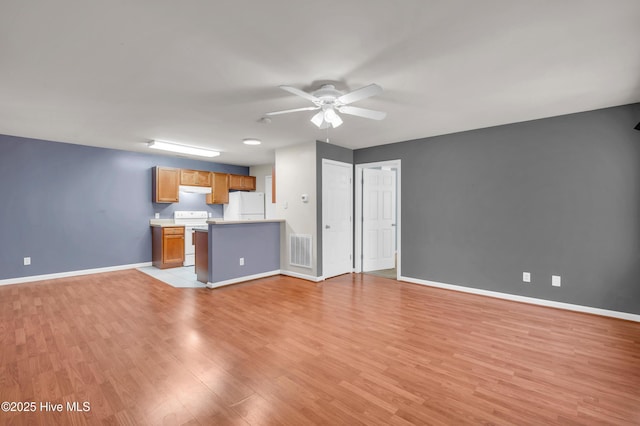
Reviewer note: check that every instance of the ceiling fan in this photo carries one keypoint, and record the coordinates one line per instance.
(328, 100)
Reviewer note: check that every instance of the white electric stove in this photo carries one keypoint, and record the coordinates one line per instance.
(191, 220)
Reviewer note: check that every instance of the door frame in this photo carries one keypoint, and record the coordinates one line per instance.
(268, 197)
(396, 164)
(324, 245)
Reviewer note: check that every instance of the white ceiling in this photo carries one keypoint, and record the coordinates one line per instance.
(119, 73)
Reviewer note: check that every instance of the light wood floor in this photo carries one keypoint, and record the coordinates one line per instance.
(352, 350)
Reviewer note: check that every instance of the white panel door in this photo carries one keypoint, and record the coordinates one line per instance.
(337, 230)
(378, 219)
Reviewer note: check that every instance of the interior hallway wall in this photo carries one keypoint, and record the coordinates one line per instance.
(295, 176)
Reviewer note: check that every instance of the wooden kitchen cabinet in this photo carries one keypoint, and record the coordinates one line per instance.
(242, 183)
(195, 177)
(167, 246)
(219, 189)
(166, 181)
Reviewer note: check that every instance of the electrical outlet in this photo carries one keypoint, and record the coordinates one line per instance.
(242, 261)
(556, 280)
(526, 277)
(157, 216)
(27, 261)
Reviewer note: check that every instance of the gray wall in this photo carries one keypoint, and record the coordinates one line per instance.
(257, 243)
(72, 207)
(554, 196)
(330, 152)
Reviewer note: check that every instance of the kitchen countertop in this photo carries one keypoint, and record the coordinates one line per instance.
(162, 223)
(241, 222)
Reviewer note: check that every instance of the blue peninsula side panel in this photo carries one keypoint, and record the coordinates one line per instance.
(257, 242)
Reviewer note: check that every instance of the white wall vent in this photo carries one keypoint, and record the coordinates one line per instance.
(300, 250)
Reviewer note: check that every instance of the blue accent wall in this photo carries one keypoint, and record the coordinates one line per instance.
(258, 243)
(72, 207)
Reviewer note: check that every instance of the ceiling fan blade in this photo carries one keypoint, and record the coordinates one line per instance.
(300, 93)
(362, 112)
(286, 111)
(358, 94)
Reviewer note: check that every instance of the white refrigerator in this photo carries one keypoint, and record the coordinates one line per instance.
(244, 206)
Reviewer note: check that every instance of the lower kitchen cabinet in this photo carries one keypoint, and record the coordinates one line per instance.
(167, 246)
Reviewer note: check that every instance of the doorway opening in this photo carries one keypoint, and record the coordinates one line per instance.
(377, 234)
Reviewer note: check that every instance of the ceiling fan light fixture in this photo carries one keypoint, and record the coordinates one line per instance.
(182, 149)
(318, 119)
(333, 118)
(332, 101)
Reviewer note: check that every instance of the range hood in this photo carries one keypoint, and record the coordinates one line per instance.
(195, 189)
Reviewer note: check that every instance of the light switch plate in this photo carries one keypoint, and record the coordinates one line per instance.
(556, 280)
(526, 277)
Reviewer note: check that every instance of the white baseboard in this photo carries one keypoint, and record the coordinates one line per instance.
(302, 276)
(33, 278)
(243, 279)
(525, 299)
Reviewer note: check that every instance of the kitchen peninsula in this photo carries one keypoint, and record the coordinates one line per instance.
(242, 250)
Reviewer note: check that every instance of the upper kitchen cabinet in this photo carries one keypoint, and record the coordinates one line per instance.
(219, 189)
(166, 181)
(242, 183)
(195, 177)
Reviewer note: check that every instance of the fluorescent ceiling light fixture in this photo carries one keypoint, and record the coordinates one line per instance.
(182, 149)
(251, 141)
